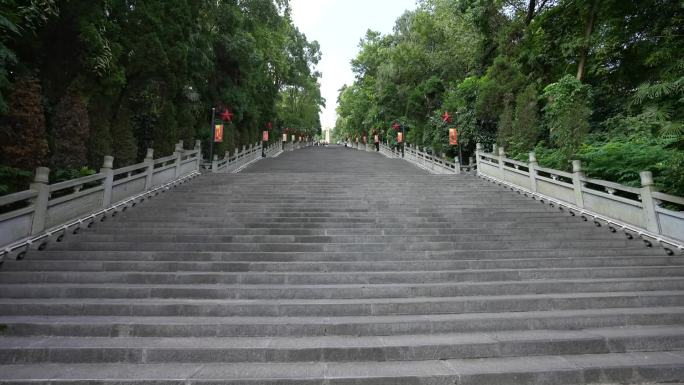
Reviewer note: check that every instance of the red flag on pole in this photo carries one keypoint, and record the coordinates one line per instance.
(264, 136)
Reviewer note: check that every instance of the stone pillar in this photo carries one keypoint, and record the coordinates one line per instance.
(40, 203)
(214, 164)
(502, 155)
(577, 176)
(533, 171)
(648, 203)
(478, 150)
(108, 182)
(149, 161)
(457, 169)
(178, 152)
(198, 148)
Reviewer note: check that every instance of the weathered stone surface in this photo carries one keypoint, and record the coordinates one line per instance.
(331, 266)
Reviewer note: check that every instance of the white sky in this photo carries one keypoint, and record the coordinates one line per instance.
(338, 25)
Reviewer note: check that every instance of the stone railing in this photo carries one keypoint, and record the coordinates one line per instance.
(241, 159)
(36, 214)
(296, 145)
(639, 210)
(431, 163)
(389, 152)
(361, 146)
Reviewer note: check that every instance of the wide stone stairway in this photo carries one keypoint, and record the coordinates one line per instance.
(336, 266)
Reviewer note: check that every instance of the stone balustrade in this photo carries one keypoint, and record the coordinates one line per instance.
(46, 208)
(249, 154)
(642, 207)
(431, 163)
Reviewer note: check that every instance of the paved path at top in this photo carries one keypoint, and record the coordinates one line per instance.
(334, 266)
(333, 160)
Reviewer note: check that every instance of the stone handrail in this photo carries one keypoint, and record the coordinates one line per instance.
(389, 152)
(48, 208)
(430, 163)
(296, 145)
(274, 149)
(638, 209)
(240, 159)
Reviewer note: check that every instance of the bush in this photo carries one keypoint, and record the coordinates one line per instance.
(566, 114)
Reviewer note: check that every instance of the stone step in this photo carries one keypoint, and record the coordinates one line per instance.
(239, 291)
(188, 223)
(333, 247)
(624, 368)
(337, 307)
(349, 266)
(138, 326)
(579, 230)
(334, 278)
(243, 211)
(225, 238)
(337, 256)
(378, 218)
(146, 350)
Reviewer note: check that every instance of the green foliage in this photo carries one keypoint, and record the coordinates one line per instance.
(567, 112)
(23, 139)
(526, 125)
(608, 72)
(13, 179)
(147, 74)
(71, 130)
(71, 173)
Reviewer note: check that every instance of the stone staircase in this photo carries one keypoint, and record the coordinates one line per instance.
(332, 266)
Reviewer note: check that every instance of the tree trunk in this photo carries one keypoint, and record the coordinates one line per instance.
(584, 51)
(530, 11)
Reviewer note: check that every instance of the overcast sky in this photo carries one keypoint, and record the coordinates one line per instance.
(338, 25)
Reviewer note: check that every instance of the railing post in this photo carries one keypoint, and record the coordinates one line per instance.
(648, 203)
(108, 182)
(478, 150)
(533, 171)
(40, 203)
(198, 148)
(577, 176)
(149, 161)
(214, 164)
(457, 164)
(178, 152)
(502, 155)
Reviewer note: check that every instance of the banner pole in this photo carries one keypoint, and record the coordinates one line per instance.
(213, 134)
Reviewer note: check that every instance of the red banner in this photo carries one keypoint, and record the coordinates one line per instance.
(377, 139)
(264, 136)
(400, 137)
(453, 136)
(364, 139)
(218, 133)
